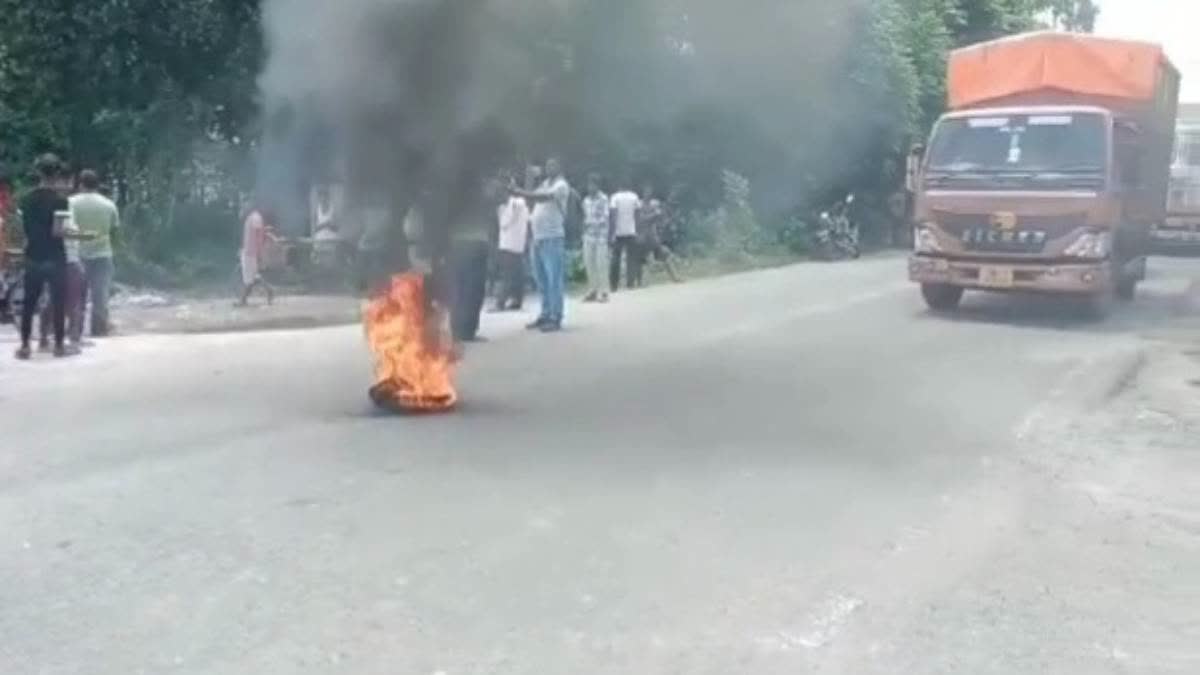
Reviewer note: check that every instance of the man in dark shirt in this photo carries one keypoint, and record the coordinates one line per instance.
(45, 254)
(471, 243)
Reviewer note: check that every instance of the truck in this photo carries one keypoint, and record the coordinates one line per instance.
(1048, 171)
(1180, 234)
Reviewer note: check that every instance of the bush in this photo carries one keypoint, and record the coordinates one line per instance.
(735, 228)
(793, 235)
(194, 244)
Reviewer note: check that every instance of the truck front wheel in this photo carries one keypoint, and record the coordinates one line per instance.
(942, 297)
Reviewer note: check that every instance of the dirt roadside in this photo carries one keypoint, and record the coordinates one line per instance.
(157, 313)
(1098, 570)
(140, 311)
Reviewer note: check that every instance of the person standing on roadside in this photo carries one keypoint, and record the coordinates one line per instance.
(513, 219)
(5, 211)
(652, 221)
(45, 254)
(597, 233)
(255, 235)
(469, 250)
(5, 207)
(533, 178)
(98, 219)
(551, 200)
(625, 205)
(74, 275)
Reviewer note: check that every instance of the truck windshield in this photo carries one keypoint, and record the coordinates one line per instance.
(1054, 150)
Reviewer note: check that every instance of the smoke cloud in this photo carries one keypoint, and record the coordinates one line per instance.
(401, 97)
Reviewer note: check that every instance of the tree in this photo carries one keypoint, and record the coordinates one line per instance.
(118, 64)
(140, 90)
(1075, 15)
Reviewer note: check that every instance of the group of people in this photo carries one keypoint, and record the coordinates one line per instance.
(531, 225)
(625, 226)
(68, 230)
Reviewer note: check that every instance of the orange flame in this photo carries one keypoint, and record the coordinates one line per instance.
(414, 354)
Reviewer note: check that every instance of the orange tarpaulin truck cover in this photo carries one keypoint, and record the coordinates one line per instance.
(1068, 62)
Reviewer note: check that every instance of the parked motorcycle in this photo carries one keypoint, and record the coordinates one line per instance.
(836, 235)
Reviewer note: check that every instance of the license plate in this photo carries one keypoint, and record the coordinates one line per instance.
(996, 277)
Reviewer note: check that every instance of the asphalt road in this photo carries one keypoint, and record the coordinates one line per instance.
(796, 470)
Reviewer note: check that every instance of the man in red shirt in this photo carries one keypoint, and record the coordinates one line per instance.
(5, 215)
(256, 232)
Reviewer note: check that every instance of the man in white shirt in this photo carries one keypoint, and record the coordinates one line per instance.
(551, 201)
(624, 206)
(597, 233)
(513, 219)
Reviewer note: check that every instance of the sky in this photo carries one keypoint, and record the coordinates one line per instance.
(1173, 23)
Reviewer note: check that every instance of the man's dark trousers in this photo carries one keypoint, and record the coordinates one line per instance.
(469, 260)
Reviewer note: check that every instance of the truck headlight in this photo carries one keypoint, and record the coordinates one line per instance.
(925, 241)
(1090, 245)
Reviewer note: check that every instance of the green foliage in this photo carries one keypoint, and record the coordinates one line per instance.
(140, 90)
(733, 222)
(1074, 15)
(928, 37)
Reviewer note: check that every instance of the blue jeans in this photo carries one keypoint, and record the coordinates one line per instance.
(98, 288)
(549, 257)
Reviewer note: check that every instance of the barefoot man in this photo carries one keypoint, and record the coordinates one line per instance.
(255, 234)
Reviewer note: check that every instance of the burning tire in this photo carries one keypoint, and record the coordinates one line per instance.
(400, 401)
(414, 353)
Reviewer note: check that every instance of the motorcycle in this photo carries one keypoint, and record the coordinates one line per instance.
(836, 236)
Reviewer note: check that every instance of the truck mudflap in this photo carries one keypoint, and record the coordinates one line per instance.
(1074, 278)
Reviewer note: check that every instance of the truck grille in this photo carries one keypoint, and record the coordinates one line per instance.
(988, 240)
(1029, 235)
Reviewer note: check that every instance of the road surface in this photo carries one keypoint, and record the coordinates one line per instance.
(796, 470)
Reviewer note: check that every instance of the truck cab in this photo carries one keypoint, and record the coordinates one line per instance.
(1029, 199)
(1048, 172)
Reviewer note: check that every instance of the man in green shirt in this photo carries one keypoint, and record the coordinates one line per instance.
(98, 219)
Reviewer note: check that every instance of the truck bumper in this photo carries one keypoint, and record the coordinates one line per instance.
(1074, 278)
